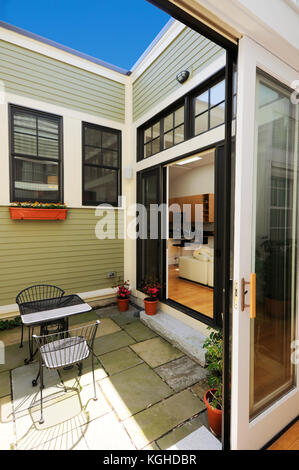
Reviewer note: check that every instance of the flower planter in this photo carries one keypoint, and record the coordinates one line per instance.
(123, 304)
(214, 415)
(150, 306)
(29, 213)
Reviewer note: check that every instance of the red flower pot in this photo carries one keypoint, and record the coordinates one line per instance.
(214, 415)
(123, 304)
(150, 306)
(29, 213)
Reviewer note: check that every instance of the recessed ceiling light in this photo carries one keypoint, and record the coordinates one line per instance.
(189, 160)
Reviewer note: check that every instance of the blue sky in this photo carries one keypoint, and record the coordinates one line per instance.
(115, 31)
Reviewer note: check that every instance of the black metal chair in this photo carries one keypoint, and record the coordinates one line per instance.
(38, 297)
(60, 350)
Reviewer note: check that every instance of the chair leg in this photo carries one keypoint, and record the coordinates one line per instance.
(22, 336)
(41, 421)
(61, 379)
(93, 376)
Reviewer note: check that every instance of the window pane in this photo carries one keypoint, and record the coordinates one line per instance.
(147, 150)
(25, 123)
(36, 180)
(92, 136)
(156, 130)
(48, 148)
(168, 140)
(110, 141)
(168, 122)
(179, 116)
(156, 145)
(217, 116)
(201, 123)
(147, 135)
(48, 128)
(100, 185)
(110, 158)
(275, 245)
(217, 93)
(25, 144)
(202, 103)
(92, 155)
(179, 135)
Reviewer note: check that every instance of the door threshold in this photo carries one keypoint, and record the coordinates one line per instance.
(190, 312)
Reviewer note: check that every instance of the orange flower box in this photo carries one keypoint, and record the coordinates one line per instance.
(29, 213)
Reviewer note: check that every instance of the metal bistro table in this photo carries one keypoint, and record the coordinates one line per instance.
(34, 315)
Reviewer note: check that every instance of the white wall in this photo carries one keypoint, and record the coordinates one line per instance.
(192, 182)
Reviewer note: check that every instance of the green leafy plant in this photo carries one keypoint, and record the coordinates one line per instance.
(214, 348)
(9, 324)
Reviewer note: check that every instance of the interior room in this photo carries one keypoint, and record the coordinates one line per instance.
(190, 258)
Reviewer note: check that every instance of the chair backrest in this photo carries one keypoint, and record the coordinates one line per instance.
(44, 295)
(67, 346)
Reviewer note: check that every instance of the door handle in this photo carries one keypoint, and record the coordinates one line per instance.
(252, 304)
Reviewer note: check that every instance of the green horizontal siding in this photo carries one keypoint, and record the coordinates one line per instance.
(64, 253)
(189, 50)
(31, 74)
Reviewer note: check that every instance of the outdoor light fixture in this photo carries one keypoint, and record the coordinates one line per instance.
(189, 160)
(183, 76)
(128, 173)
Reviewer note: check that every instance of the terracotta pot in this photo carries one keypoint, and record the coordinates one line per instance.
(123, 304)
(150, 306)
(29, 213)
(214, 415)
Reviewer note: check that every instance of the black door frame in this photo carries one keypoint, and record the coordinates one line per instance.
(216, 321)
(231, 58)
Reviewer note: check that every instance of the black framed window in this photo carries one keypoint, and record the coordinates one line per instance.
(101, 165)
(209, 108)
(200, 110)
(174, 128)
(36, 155)
(163, 132)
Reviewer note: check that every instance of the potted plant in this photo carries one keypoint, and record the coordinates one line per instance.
(152, 290)
(37, 211)
(123, 296)
(213, 396)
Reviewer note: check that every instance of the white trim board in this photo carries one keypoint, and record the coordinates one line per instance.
(9, 311)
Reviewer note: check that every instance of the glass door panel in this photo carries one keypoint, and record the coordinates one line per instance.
(274, 249)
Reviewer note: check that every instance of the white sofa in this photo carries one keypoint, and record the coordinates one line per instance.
(199, 267)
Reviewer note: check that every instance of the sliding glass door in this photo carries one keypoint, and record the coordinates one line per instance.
(265, 378)
(274, 250)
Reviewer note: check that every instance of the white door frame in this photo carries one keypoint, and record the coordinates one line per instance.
(254, 434)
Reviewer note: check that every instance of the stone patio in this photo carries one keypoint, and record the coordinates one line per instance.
(150, 394)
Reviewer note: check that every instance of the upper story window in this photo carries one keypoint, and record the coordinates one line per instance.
(101, 165)
(164, 132)
(209, 108)
(197, 112)
(36, 156)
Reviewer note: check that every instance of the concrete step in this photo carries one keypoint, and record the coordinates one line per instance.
(183, 336)
(201, 439)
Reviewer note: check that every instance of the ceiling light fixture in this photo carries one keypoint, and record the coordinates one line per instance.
(189, 160)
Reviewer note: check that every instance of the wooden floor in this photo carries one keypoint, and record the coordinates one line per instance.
(289, 440)
(189, 293)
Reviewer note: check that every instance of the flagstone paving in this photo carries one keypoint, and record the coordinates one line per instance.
(150, 394)
(134, 390)
(181, 373)
(157, 420)
(182, 431)
(156, 351)
(139, 331)
(112, 342)
(117, 361)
